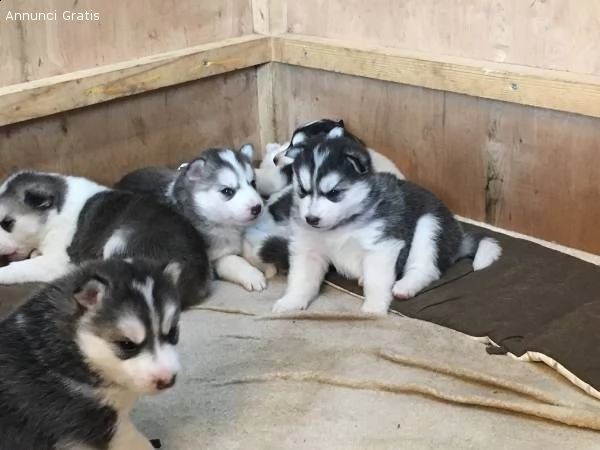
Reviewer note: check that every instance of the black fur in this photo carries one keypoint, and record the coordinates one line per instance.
(46, 387)
(154, 231)
(275, 250)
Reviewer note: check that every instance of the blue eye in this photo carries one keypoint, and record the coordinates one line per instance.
(302, 192)
(228, 192)
(333, 195)
(128, 348)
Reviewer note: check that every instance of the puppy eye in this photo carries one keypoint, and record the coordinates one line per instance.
(128, 347)
(253, 184)
(333, 194)
(302, 192)
(7, 224)
(173, 336)
(228, 192)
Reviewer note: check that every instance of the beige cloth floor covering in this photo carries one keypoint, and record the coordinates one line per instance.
(231, 395)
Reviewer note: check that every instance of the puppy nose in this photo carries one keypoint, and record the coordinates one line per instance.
(255, 210)
(312, 220)
(162, 383)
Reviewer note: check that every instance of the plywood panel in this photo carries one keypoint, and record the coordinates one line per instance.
(525, 169)
(159, 128)
(33, 49)
(553, 34)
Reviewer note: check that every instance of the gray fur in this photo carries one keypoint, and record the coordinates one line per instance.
(49, 395)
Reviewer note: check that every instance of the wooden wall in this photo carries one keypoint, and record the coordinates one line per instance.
(552, 34)
(525, 169)
(163, 127)
(126, 30)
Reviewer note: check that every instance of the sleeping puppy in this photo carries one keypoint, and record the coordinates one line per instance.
(68, 220)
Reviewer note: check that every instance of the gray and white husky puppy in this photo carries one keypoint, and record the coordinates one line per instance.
(78, 354)
(66, 220)
(392, 235)
(275, 171)
(216, 192)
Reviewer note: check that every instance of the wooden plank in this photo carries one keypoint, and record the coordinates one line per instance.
(524, 169)
(162, 127)
(562, 91)
(124, 30)
(61, 93)
(548, 34)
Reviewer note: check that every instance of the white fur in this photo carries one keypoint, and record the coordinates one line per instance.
(168, 317)
(420, 269)
(329, 181)
(132, 328)
(356, 251)
(488, 251)
(128, 437)
(116, 244)
(146, 289)
(51, 238)
(213, 205)
(237, 270)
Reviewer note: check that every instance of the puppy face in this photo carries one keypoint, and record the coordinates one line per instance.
(27, 201)
(130, 326)
(330, 181)
(224, 187)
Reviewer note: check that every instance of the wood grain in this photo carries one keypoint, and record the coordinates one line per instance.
(556, 90)
(163, 127)
(525, 169)
(126, 30)
(52, 95)
(549, 34)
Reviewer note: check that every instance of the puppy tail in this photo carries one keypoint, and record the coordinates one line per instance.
(484, 250)
(275, 250)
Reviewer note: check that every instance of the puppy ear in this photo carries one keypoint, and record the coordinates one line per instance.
(340, 123)
(38, 199)
(91, 294)
(336, 132)
(248, 151)
(173, 271)
(359, 158)
(195, 169)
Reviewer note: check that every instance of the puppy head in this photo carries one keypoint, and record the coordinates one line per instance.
(129, 323)
(223, 185)
(27, 201)
(330, 181)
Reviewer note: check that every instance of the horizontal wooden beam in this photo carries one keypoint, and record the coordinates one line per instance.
(557, 90)
(83, 88)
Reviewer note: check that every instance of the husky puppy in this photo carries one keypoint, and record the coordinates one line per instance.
(392, 235)
(67, 220)
(275, 171)
(77, 355)
(216, 192)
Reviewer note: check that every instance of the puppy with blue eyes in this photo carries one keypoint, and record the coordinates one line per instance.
(391, 235)
(216, 192)
(78, 354)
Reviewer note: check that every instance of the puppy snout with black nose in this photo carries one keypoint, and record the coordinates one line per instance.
(313, 221)
(164, 383)
(255, 210)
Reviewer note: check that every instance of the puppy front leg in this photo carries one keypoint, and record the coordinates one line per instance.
(307, 270)
(44, 268)
(128, 437)
(379, 275)
(237, 270)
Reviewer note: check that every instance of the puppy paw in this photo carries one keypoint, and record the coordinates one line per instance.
(374, 309)
(253, 279)
(288, 303)
(270, 271)
(404, 290)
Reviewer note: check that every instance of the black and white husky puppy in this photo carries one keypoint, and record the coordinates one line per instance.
(78, 354)
(392, 235)
(67, 220)
(216, 192)
(275, 171)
